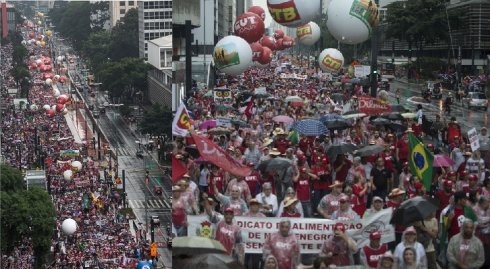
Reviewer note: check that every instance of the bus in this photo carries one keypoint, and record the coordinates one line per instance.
(36, 178)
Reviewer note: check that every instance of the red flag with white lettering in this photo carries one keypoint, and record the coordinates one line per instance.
(371, 105)
(212, 153)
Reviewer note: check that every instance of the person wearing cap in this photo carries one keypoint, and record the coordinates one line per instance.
(457, 213)
(371, 254)
(253, 180)
(284, 246)
(340, 247)
(330, 202)
(254, 209)
(180, 208)
(290, 208)
(387, 261)
(475, 165)
(409, 239)
(229, 235)
(376, 206)
(303, 190)
(233, 201)
(345, 211)
(268, 200)
(465, 250)
(239, 182)
(381, 178)
(444, 195)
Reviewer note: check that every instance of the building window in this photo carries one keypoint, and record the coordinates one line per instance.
(122, 11)
(130, 3)
(122, 3)
(145, 5)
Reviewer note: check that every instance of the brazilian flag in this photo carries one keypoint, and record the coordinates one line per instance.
(293, 137)
(420, 160)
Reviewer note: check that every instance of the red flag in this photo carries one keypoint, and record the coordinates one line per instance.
(371, 105)
(210, 152)
(249, 109)
(178, 169)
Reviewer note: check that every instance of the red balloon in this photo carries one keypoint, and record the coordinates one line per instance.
(287, 42)
(278, 34)
(47, 61)
(257, 10)
(61, 99)
(33, 65)
(50, 113)
(249, 26)
(279, 44)
(39, 37)
(59, 107)
(266, 56)
(257, 51)
(268, 41)
(31, 35)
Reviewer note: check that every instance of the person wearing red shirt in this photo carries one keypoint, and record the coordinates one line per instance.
(281, 143)
(321, 180)
(253, 180)
(387, 155)
(290, 208)
(402, 149)
(341, 166)
(371, 254)
(396, 198)
(360, 189)
(216, 175)
(303, 191)
(456, 215)
(444, 196)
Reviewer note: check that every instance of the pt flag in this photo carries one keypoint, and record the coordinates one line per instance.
(182, 122)
(420, 160)
(212, 153)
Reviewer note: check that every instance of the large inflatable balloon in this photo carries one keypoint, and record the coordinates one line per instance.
(279, 45)
(257, 10)
(62, 99)
(249, 26)
(232, 55)
(77, 165)
(351, 21)
(331, 60)
(293, 13)
(59, 107)
(266, 56)
(68, 174)
(308, 34)
(69, 226)
(268, 41)
(46, 107)
(257, 51)
(50, 113)
(287, 42)
(48, 81)
(278, 33)
(34, 107)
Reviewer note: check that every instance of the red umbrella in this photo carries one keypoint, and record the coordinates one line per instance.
(283, 118)
(441, 160)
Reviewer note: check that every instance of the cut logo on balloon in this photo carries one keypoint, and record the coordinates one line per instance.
(284, 12)
(303, 31)
(332, 63)
(226, 55)
(366, 11)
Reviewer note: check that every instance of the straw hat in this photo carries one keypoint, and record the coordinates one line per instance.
(254, 201)
(396, 192)
(289, 201)
(267, 142)
(336, 183)
(278, 131)
(275, 152)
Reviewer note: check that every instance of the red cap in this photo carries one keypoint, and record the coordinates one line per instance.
(430, 146)
(229, 210)
(463, 173)
(448, 183)
(375, 235)
(339, 226)
(303, 169)
(451, 174)
(473, 177)
(405, 164)
(418, 186)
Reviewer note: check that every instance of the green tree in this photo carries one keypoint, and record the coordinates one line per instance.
(20, 73)
(125, 36)
(100, 12)
(19, 54)
(11, 180)
(156, 121)
(97, 48)
(75, 23)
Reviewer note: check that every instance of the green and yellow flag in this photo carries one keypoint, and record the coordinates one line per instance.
(420, 160)
(293, 137)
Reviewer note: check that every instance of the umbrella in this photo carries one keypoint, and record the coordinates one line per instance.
(208, 261)
(393, 116)
(414, 209)
(369, 150)
(408, 115)
(240, 123)
(337, 124)
(296, 103)
(207, 124)
(276, 164)
(351, 112)
(397, 128)
(219, 131)
(380, 121)
(223, 108)
(195, 245)
(330, 117)
(293, 98)
(398, 108)
(337, 97)
(441, 160)
(335, 150)
(309, 127)
(283, 118)
(354, 116)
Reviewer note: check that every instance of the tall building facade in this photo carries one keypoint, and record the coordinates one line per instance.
(154, 21)
(160, 75)
(7, 18)
(117, 10)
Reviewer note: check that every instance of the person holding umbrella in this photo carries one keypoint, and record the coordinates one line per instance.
(409, 240)
(371, 254)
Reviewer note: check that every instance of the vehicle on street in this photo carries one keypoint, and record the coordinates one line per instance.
(139, 153)
(434, 89)
(476, 100)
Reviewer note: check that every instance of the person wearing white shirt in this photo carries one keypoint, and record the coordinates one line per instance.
(268, 200)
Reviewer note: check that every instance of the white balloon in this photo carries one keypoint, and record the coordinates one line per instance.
(68, 174)
(65, 111)
(38, 61)
(69, 226)
(56, 93)
(29, 42)
(48, 81)
(56, 77)
(232, 55)
(77, 165)
(23, 42)
(46, 107)
(351, 21)
(293, 13)
(34, 107)
(53, 107)
(308, 34)
(331, 60)
(38, 43)
(59, 58)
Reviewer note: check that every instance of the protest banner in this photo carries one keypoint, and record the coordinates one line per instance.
(223, 122)
(310, 232)
(371, 105)
(473, 138)
(293, 76)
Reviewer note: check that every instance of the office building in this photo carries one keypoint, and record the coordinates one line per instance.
(117, 10)
(160, 75)
(154, 21)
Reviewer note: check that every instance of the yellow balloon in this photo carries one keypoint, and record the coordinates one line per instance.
(43, 43)
(49, 33)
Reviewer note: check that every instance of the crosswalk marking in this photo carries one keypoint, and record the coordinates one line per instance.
(151, 204)
(126, 151)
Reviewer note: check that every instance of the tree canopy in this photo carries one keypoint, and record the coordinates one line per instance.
(125, 36)
(156, 121)
(73, 22)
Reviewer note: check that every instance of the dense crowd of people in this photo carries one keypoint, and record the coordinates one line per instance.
(338, 186)
(33, 140)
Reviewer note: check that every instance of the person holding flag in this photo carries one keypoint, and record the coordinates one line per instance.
(420, 160)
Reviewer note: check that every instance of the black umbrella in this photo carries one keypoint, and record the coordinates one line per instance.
(335, 150)
(398, 108)
(370, 150)
(240, 123)
(397, 128)
(393, 116)
(276, 164)
(337, 124)
(414, 209)
(337, 97)
(380, 121)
